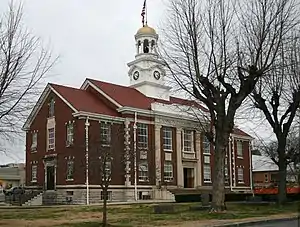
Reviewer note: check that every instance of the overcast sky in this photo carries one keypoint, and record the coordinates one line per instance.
(93, 38)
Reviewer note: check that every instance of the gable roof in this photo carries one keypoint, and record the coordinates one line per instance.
(240, 132)
(83, 100)
(130, 97)
(76, 99)
(262, 163)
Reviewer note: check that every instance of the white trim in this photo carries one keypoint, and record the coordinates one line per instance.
(97, 116)
(110, 186)
(62, 98)
(151, 113)
(41, 102)
(240, 137)
(89, 83)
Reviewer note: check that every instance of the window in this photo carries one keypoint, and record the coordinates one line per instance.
(106, 173)
(34, 141)
(51, 108)
(142, 135)
(206, 173)
(168, 171)
(146, 46)
(207, 159)
(239, 148)
(240, 175)
(206, 145)
(167, 139)
(70, 134)
(70, 169)
(143, 154)
(266, 178)
(33, 173)
(108, 195)
(51, 138)
(188, 141)
(143, 171)
(105, 133)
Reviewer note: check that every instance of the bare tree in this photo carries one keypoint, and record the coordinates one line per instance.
(277, 95)
(216, 51)
(23, 65)
(292, 154)
(105, 155)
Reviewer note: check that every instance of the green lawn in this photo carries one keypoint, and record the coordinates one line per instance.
(132, 215)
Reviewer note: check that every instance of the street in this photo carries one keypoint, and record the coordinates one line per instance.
(294, 223)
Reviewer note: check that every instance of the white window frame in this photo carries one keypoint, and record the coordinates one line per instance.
(34, 173)
(34, 141)
(188, 143)
(206, 159)
(167, 139)
(206, 145)
(143, 171)
(168, 171)
(70, 170)
(239, 149)
(240, 172)
(206, 173)
(142, 136)
(70, 134)
(105, 133)
(51, 138)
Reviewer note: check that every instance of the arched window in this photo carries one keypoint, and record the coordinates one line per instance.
(146, 46)
(139, 46)
(152, 46)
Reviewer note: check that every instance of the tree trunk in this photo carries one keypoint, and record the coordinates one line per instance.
(282, 172)
(218, 194)
(104, 218)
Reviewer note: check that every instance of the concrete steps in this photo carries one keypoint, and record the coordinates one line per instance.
(35, 201)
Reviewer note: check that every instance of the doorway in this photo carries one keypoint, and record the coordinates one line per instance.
(50, 183)
(188, 177)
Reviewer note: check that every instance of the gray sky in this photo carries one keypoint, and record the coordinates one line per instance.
(94, 38)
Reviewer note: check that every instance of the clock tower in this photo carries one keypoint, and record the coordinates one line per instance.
(147, 72)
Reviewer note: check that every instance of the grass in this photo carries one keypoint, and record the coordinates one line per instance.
(137, 215)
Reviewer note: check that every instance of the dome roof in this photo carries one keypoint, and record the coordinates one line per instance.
(146, 30)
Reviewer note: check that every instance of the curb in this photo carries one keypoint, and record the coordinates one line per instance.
(251, 223)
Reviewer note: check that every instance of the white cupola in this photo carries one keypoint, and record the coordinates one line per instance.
(147, 71)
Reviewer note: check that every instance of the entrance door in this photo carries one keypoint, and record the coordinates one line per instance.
(50, 178)
(188, 177)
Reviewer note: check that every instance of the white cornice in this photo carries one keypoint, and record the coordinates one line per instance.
(97, 116)
(149, 57)
(241, 137)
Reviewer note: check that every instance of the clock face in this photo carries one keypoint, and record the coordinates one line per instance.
(136, 75)
(156, 75)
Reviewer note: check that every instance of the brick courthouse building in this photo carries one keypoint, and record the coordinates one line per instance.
(171, 154)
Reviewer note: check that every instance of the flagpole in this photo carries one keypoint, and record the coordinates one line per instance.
(146, 12)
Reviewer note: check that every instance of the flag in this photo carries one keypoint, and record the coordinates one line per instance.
(143, 13)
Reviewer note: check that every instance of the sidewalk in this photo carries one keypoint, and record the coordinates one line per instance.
(238, 222)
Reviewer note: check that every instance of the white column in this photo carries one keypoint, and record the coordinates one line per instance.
(198, 174)
(157, 154)
(179, 158)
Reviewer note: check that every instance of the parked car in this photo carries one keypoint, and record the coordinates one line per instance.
(14, 191)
